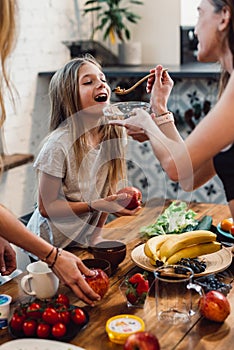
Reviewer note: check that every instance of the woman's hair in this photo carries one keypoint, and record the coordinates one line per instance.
(65, 103)
(218, 6)
(7, 40)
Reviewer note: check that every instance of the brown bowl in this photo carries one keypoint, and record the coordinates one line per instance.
(98, 264)
(112, 251)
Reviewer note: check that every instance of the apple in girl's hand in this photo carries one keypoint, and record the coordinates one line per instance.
(214, 306)
(134, 197)
(99, 282)
(142, 341)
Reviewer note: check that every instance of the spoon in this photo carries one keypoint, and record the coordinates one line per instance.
(119, 91)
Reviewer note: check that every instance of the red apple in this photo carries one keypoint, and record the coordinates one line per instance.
(214, 306)
(142, 341)
(99, 282)
(232, 230)
(134, 197)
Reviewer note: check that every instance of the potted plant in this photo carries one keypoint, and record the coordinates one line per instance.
(113, 17)
(81, 46)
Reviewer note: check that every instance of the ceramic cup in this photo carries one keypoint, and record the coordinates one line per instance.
(173, 294)
(40, 281)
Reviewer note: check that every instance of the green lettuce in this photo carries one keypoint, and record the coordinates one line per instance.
(175, 219)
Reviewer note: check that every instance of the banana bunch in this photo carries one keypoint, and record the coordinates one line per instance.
(170, 248)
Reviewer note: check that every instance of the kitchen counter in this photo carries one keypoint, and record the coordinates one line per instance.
(187, 70)
(198, 334)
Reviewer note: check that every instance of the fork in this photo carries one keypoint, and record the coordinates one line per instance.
(119, 91)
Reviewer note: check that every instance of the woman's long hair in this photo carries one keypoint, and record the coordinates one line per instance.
(218, 6)
(7, 40)
(65, 104)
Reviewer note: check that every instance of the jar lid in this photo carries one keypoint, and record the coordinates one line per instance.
(5, 299)
(120, 327)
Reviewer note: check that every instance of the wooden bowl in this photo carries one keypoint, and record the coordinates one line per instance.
(98, 264)
(112, 251)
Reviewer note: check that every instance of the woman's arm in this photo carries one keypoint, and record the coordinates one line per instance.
(68, 267)
(190, 162)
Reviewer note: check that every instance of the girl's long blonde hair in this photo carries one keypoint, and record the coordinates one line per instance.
(65, 103)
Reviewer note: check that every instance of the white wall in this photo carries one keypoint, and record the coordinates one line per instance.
(189, 12)
(159, 31)
(43, 25)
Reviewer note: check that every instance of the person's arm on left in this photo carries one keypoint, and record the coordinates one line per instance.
(68, 267)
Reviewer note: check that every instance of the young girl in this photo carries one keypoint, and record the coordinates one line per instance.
(82, 161)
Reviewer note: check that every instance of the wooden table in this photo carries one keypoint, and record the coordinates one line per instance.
(199, 334)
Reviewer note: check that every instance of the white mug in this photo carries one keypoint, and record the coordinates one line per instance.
(40, 282)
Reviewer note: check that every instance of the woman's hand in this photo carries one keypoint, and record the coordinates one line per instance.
(139, 124)
(136, 133)
(160, 87)
(71, 270)
(7, 258)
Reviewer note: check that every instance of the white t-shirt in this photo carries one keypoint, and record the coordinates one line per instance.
(57, 158)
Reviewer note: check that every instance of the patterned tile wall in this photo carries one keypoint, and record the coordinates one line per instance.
(190, 100)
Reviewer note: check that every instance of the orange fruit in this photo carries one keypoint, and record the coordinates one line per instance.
(226, 225)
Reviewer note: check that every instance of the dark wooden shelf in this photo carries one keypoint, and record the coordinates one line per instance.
(186, 70)
(11, 161)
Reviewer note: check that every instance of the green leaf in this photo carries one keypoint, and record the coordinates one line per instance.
(175, 219)
(111, 11)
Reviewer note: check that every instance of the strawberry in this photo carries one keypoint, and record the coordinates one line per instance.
(142, 287)
(132, 298)
(138, 277)
(137, 288)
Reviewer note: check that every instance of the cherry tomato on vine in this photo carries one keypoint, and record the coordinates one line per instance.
(59, 330)
(43, 330)
(17, 321)
(50, 315)
(34, 310)
(63, 299)
(30, 327)
(78, 316)
(63, 314)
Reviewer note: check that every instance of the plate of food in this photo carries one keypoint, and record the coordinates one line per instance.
(224, 228)
(38, 344)
(215, 262)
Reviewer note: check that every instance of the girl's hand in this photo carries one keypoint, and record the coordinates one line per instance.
(112, 204)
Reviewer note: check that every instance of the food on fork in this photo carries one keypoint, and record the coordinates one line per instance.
(119, 91)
